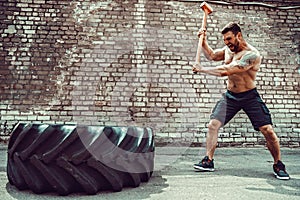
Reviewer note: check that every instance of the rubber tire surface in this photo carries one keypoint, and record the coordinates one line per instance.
(66, 159)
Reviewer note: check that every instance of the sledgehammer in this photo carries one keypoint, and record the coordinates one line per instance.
(207, 10)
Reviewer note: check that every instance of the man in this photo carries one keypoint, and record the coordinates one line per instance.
(241, 64)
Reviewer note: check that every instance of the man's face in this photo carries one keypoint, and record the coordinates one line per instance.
(231, 41)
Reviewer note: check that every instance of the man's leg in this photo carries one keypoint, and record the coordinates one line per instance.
(274, 148)
(222, 113)
(272, 141)
(207, 163)
(212, 137)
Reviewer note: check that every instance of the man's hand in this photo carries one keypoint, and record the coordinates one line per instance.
(197, 68)
(202, 32)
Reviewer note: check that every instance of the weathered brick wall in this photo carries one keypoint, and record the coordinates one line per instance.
(122, 62)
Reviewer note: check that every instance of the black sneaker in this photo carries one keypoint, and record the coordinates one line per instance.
(205, 165)
(279, 171)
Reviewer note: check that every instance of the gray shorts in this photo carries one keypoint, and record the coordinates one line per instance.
(250, 102)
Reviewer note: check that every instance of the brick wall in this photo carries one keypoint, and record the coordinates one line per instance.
(127, 63)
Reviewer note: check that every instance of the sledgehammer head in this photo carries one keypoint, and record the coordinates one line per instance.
(206, 8)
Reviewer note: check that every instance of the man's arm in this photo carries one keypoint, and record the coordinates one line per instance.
(210, 54)
(242, 65)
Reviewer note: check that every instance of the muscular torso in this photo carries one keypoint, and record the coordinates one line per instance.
(242, 81)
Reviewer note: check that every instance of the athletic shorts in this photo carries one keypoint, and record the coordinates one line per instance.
(250, 102)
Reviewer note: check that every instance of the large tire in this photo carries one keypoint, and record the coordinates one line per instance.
(67, 158)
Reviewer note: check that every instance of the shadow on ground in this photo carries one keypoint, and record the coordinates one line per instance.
(247, 169)
(155, 186)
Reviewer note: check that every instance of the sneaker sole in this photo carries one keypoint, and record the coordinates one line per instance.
(201, 169)
(281, 178)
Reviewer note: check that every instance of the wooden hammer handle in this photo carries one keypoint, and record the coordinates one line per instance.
(203, 27)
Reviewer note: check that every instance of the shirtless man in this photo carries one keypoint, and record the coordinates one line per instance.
(242, 62)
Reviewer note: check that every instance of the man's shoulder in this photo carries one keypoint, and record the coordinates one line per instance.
(250, 53)
(252, 49)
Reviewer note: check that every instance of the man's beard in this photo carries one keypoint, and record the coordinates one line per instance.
(235, 47)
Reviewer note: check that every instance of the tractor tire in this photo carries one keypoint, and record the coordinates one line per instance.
(68, 159)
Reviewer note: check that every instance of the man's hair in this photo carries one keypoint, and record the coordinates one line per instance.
(233, 27)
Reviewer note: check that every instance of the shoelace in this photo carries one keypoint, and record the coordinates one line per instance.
(280, 166)
(206, 161)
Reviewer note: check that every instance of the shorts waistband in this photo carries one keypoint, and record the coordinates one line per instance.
(242, 93)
